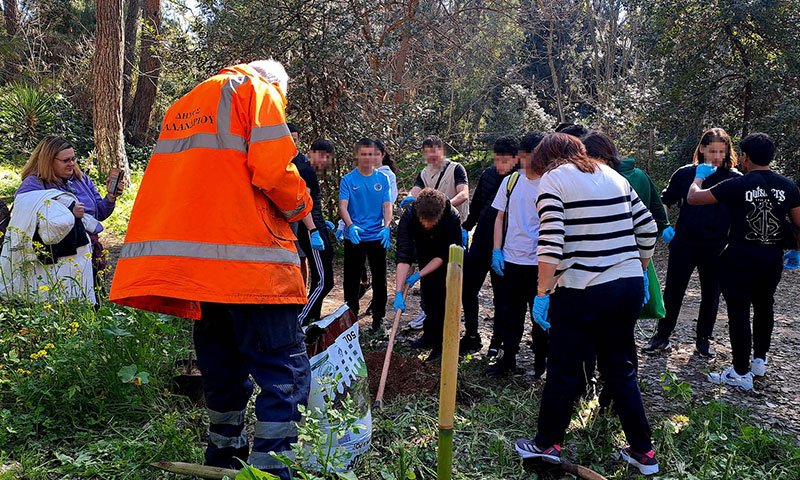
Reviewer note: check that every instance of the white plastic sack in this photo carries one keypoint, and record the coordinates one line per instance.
(334, 351)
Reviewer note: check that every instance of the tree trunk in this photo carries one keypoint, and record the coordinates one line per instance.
(107, 82)
(131, 30)
(553, 73)
(11, 16)
(149, 70)
(13, 64)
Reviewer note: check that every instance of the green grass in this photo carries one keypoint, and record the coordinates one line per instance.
(711, 441)
(9, 180)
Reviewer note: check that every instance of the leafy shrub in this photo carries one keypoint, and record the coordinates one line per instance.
(28, 113)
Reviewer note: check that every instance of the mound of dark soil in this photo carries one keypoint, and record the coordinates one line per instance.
(407, 375)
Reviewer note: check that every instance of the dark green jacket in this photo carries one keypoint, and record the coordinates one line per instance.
(646, 190)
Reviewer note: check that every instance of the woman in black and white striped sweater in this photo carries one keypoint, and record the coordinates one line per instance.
(595, 241)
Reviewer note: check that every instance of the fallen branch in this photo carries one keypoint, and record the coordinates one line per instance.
(580, 471)
(202, 471)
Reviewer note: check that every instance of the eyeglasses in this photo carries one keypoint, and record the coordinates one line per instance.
(66, 161)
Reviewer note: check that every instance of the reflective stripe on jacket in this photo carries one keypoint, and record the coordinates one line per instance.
(210, 221)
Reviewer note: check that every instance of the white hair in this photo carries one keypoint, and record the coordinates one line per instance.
(272, 71)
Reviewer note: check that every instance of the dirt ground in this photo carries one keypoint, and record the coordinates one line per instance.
(772, 403)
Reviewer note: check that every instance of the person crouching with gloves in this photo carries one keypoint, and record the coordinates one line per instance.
(427, 229)
(209, 239)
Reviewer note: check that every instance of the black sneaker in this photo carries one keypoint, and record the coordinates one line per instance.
(657, 345)
(645, 462)
(527, 449)
(434, 356)
(505, 365)
(494, 348)
(703, 348)
(420, 343)
(469, 344)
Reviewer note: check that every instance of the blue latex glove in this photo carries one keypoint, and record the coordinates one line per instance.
(330, 226)
(498, 261)
(407, 201)
(704, 171)
(646, 288)
(791, 260)
(541, 307)
(386, 238)
(413, 279)
(399, 302)
(339, 234)
(316, 241)
(668, 234)
(464, 238)
(353, 234)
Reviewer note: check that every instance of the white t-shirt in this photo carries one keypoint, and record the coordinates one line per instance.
(384, 169)
(522, 235)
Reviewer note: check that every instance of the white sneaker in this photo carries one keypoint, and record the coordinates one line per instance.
(417, 323)
(730, 377)
(759, 367)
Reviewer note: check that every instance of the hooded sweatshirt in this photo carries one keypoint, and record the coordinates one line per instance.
(646, 190)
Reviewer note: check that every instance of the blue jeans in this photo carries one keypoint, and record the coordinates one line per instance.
(239, 344)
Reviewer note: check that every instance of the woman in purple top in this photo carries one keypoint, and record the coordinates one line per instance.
(53, 165)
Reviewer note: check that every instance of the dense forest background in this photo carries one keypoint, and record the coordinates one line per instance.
(651, 73)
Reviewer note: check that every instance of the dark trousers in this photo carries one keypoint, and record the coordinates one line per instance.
(234, 342)
(683, 259)
(517, 289)
(596, 321)
(477, 263)
(750, 276)
(320, 264)
(433, 288)
(354, 256)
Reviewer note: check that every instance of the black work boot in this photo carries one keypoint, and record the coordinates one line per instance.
(469, 343)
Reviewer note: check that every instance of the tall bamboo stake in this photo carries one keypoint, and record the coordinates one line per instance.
(447, 390)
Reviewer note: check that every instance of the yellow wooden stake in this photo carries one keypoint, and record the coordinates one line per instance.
(447, 390)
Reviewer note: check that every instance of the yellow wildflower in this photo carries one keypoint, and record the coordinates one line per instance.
(49, 346)
(23, 372)
(48, 202)
(47, 306)
(38, 355)
(44, 288)
(87, 255)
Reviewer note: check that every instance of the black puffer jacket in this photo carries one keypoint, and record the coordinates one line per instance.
(416, 243)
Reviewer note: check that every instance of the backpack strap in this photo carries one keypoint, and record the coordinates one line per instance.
(439, 180)
(512, 182)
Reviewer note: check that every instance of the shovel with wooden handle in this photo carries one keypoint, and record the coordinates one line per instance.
(388, 358)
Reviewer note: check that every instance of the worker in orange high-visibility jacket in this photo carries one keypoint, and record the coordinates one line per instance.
(209, 239)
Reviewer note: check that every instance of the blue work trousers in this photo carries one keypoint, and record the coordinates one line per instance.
(237, 345)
